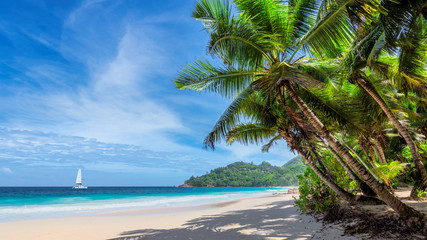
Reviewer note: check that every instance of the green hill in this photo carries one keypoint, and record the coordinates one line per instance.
(240, 174)
(293, 161)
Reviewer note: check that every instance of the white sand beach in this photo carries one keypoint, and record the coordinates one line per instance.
(269, 217)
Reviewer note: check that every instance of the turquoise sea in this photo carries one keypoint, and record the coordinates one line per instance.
(22, 203)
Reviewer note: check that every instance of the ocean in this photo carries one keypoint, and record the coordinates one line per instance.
(24, 203)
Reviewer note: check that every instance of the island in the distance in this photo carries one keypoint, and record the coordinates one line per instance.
(240, 174)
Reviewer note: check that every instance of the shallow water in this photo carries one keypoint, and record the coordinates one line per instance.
(22, 203)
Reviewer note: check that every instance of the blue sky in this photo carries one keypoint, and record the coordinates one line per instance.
(89, 84)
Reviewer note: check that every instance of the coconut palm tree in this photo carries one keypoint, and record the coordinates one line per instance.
(409, 75)
(258, 42)
(286, 124)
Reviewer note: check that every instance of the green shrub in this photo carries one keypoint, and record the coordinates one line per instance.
(314, 195)
(421, 193)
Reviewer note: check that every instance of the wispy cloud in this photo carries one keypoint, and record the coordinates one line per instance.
(41, 149)
(96, 91)
(6, 171)
(116, 103)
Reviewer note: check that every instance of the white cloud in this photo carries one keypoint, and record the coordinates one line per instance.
(241, 151)
(6, 171)
(115, 87)
(115, 105)
(31, 148)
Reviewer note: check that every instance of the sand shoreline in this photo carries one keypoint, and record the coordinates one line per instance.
(267, 217)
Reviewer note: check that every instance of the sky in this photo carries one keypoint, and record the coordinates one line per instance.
(89, 84)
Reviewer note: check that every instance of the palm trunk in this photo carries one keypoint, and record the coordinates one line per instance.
(363, 186)
(403, 209)
(339, 191)
(322, 166)
(380, 150)
(361, 160)
(368, 158)
(290, 139)
(420, 172)
(325, 170)
(377, 154)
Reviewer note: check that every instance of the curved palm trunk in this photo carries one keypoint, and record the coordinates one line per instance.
(420, 172)
(323, 168)
(363, 186)
(324, 177)
(382, 192)
(377, 154)
(368, 157)
(321, 165)
(339, 191)
(380, 150)
(361, 160)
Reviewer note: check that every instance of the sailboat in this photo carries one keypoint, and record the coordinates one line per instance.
(79, 180)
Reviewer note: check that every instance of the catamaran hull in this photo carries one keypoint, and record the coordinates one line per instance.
(79, 181)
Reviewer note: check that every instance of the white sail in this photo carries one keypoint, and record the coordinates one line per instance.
(79, 177)
(79, 180)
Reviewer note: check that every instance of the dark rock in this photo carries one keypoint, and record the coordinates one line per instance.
(185, 185)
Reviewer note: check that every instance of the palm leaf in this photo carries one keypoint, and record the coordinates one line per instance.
(398, 18)
(203, 76)
(265, 15)
(300, 18)
(332, 32)
(412, 59)
(250, 133)
(365, 50)
(271, 143)
(213, 13)
(228, 120)
(376, 49)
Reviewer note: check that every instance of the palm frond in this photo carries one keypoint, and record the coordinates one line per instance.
(271, 143)
(302, 15)
(331, 33)
(250, 133)
(265, 15)
(213, 13)
(358, 11)
(338, 110)
(376, 49)
(398, 18)
(240, 44)
(203, 76)
(367, 49)
(412, 59)
(388, 171)
(228, 120)
(323, 71)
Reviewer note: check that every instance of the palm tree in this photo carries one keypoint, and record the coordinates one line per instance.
(258, 45)
(408, 76)
(389, 171)
(297, 132)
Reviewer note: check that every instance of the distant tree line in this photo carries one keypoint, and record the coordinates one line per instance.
(240, 174)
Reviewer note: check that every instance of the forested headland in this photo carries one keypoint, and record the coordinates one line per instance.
(240, 174)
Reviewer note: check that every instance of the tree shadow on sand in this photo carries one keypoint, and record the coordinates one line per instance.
(279, 220)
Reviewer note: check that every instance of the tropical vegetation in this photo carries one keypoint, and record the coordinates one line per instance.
(342, 82)
(240, 174)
